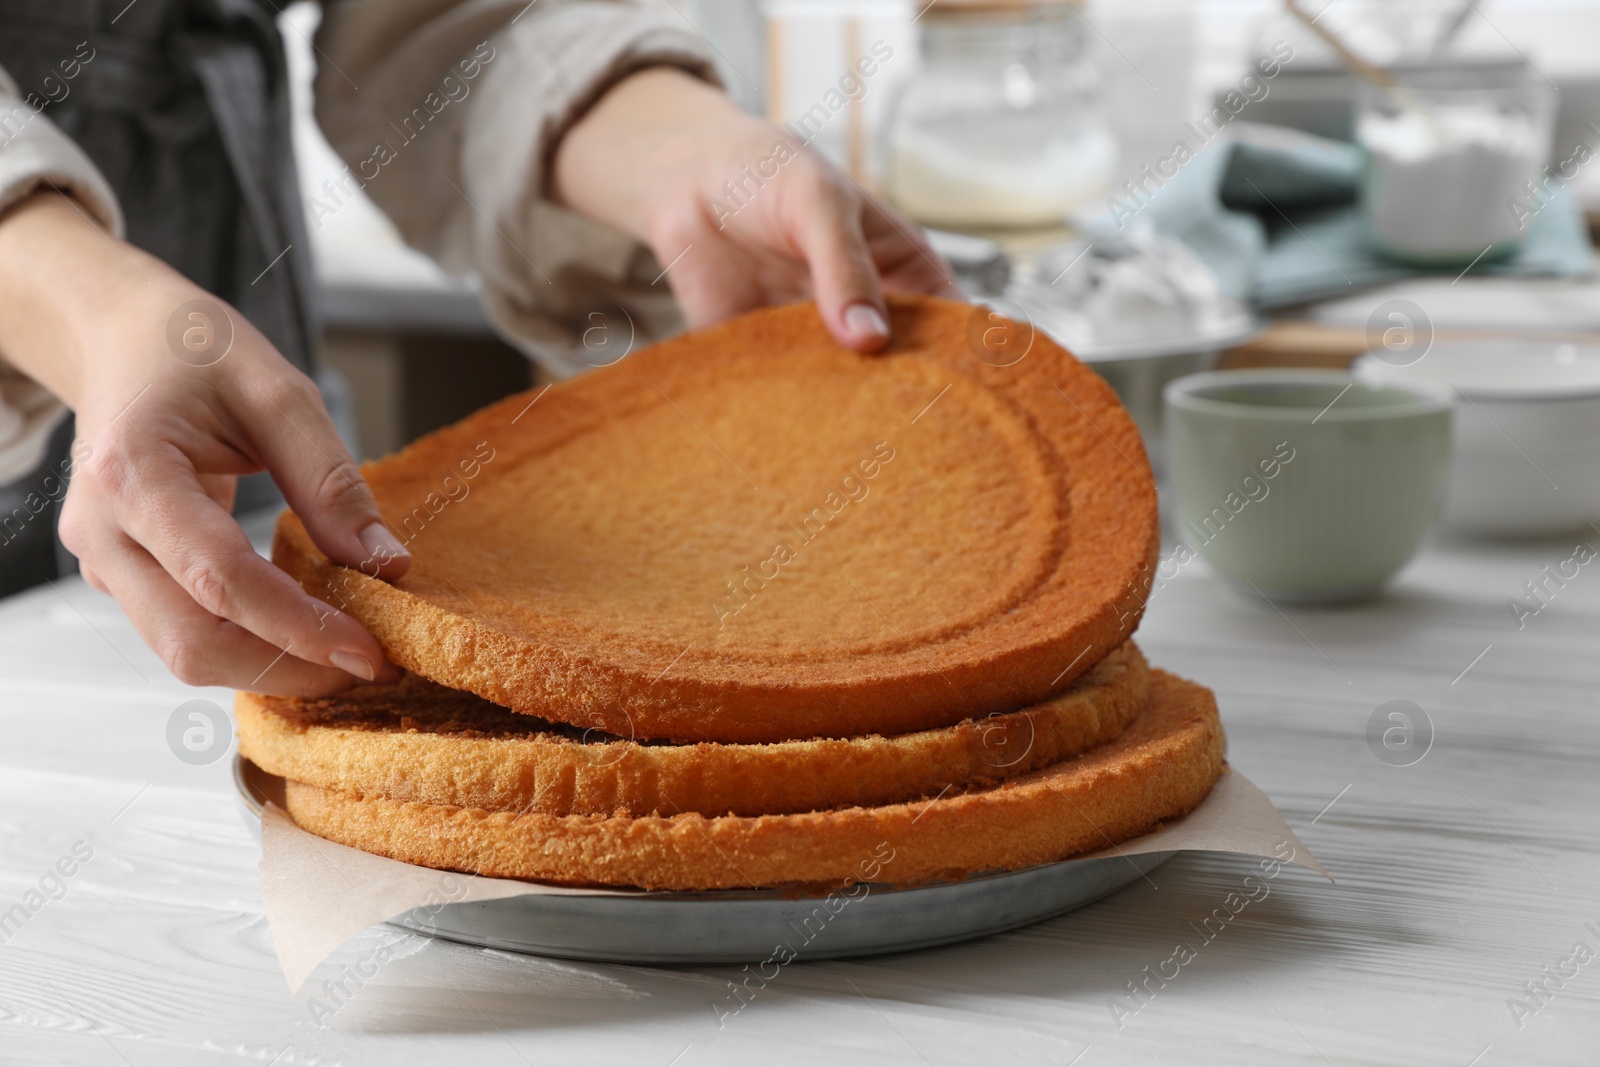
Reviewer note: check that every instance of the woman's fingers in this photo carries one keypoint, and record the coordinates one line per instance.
(222, 488)
(902, 254)
(284, 416)
(153, 495)
(738, 212)
(826, 226)
(92, 578)
(712, 277)
(197, 646)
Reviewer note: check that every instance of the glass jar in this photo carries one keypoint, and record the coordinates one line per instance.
(1453, 174)
(1000, 124)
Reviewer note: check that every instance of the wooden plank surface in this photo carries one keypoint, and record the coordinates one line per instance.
(1460, 877)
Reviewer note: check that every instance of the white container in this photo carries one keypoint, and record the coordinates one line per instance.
(1527, 432)
(1446, 165)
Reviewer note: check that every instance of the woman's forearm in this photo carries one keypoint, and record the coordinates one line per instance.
(661, 117)
(63, 279)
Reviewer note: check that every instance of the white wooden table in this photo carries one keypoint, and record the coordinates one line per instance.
(1460, 877)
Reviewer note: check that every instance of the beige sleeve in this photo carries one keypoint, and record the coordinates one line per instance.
(446, 113)
(33, 154)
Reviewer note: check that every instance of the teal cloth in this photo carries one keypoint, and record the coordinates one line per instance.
(1283, 225)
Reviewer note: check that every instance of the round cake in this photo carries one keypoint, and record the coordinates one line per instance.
(1160, 768)
(750, 534)
(418, 741)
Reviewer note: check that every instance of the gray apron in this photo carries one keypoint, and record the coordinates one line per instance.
(184, 108)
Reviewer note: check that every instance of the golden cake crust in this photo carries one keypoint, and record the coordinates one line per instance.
(750, 534)
(418, 741)
(1161, 767)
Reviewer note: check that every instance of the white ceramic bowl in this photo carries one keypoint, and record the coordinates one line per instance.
(1527, 431)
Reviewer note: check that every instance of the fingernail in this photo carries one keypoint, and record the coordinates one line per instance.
(864, 320)
(381, 544)
(353, 663)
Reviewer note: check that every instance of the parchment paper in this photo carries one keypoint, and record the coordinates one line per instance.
(320, 894)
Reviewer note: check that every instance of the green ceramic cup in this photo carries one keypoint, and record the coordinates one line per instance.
(1306, 486)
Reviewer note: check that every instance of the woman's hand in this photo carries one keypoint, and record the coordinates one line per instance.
(164, 432)
(741, 214)
(161, 441)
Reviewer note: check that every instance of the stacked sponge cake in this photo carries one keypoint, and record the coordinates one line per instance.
(746, 607)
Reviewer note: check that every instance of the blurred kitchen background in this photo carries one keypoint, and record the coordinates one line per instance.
(1163, 185)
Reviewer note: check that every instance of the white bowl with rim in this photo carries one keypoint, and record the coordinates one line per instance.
(1527, 431)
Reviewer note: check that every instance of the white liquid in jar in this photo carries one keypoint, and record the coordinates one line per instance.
(984, 181)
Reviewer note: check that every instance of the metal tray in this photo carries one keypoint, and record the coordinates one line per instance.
(733, 926)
